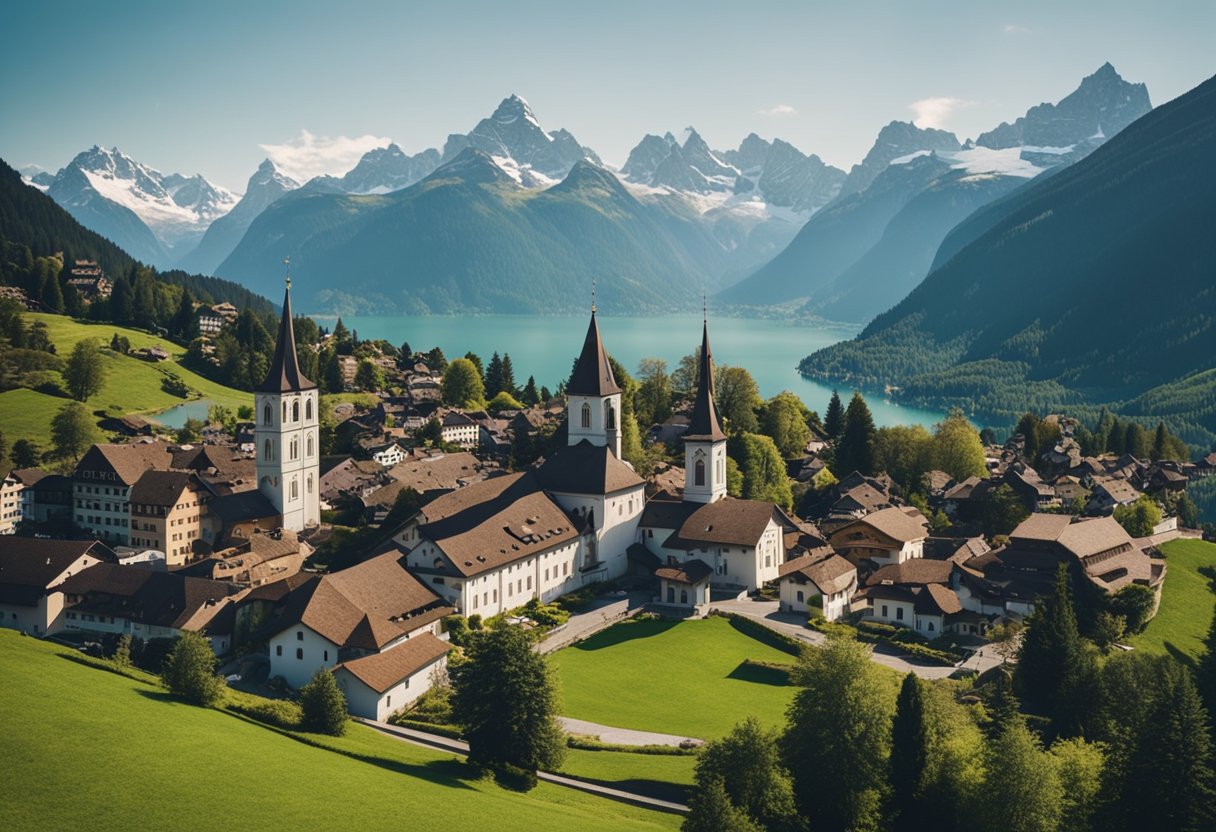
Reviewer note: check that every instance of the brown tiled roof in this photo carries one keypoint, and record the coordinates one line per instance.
(1121, 491)
(918, 571)
(127, 461)
(689, 572)
(381, 671)
(28, 476)
(163, 599)
(586, 469)
(895, 523)
(160, 488)
(938, 598)
(1087, 538)
(963, 490)
(243, 505)
(727, 521)
(430, 472)
(1041, 526)
(592, 374)
(521, 521)
(29, 565)
(280, 589)
(831, 573)
(669, 513)
(463, 498)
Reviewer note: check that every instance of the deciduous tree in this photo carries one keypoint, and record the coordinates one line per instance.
(462, 385)
(323, 705)
(189, 671)
(72, 431)
(748, 763)
(84, 373)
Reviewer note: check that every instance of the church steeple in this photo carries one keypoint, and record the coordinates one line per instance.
(284, 375)
(704, 423)
(704, 441)
(593, 398)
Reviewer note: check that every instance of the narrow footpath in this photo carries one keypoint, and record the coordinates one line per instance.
(462, 748)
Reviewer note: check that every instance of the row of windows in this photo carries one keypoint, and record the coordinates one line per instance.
(609, 416)
(293, 449)
(94, 520)
(268, 412)
(278, 651)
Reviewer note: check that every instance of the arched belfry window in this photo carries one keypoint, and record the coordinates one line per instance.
(267, 418)
(586, 415)
(269, 452)
(309, 441)
(308, 409)
(295, 412)
(699, 475)
(609, 417)
(284, 411)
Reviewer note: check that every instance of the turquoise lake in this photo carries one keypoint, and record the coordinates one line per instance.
(545, 347)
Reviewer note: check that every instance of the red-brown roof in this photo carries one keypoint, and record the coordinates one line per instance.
(380, 671)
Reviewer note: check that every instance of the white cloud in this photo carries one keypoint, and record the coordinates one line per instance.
(779, 111)
(933, 112)
(307, 155)
(1014, 29)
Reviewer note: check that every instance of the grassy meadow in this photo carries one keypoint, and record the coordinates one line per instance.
(1187, 601)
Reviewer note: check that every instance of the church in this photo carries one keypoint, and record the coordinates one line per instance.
(287, 414)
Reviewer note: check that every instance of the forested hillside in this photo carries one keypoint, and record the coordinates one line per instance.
(1092, 286)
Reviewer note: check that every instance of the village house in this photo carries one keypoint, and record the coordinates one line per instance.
(147, 603)
(368, 609)
(818, 583)
(1109, 493)
(86, 277)
(102, 482)
(32, 572)
(884, 537)
(458, 428)
(380, 684)
(685, 584)
(166, 512)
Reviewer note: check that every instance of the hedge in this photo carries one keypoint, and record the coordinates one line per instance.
(449, 731)
(753, 628)
(585, 743)
(278, 713)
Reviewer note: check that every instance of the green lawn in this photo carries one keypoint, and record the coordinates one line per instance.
(87, 749)
(674, 678)
(659, 775)
(131, 386)
(1187, 601)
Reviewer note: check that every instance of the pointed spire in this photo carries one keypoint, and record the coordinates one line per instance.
(592, 374)
(284, 375)
(704, 425)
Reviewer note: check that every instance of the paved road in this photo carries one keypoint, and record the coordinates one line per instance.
(462, 748)
(623, 736)
(768, 613)
(601, 614)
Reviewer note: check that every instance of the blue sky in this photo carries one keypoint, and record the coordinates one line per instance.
(206, 87)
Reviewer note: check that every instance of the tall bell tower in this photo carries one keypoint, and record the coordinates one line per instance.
(704, 441)
(593, 399)
(287, 432)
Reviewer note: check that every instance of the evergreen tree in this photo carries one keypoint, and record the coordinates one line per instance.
(73, 304)
(1136, 441)
(1160, 442)
(1116, 438)
(1170, 783)
(183, 322)
(323, 705)
(189, 671)
(833, 420)
(341, 338)
(368, 376)
(840, 722)
(909, 760)
(505, 697)
(1053, 663)
(1002, 511)
(494, 382)
(84, 372)
(508, 375)
(51, 297)
(1205, 668)
(747, 762)
(546, 395)
(1021, 790)
(855, 450)
(436, 360)
(476, 359)
(710, 810)
(531, 395)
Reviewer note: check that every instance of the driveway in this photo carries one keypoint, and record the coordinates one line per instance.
(623, 736)
(770, 615)
(602, 613)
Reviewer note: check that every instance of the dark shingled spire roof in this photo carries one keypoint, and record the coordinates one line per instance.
(593, 374)
(704, 426)
(284, 375)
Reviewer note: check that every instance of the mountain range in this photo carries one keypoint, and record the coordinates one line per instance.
(771, 224)
(878, 239)
(1092, 285)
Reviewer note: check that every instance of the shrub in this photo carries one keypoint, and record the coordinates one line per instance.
(475, 621)
(322, 705)
(458, 629)
(546, 615)
(585, 743)
(122, 651)
(831, 628)
(761, 633)
(189, 671)
(278, 713)
(150, 655)
(515, 778)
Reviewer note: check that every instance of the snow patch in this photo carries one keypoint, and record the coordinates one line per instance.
(1007, 161)
(903, 160)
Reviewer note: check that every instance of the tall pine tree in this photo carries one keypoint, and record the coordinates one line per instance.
(909, 758)
(508, 375)
(855, 450)
(833, 421)
(494, 376)
(1053, 665)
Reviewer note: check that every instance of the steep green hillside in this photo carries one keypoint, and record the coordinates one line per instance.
(91, 749)
(468, 238)
(1094, 285)
(132, 385)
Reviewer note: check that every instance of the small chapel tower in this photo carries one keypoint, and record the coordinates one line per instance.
(704, 441)
(288, 445)
(593, 409)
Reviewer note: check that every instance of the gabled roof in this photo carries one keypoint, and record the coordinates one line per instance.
(586, 469)
(689, 572)
(666, 512)
(829, 571)
(703, 425)
(895, 523)
(592, 374)
(519, 522)
(382, 671)
(727, 521)
(128, 462)
(916, 571)
(162, 599)
(29, 566)
(284, 375)
(160, 488)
